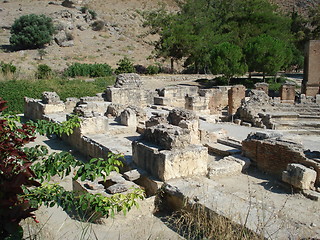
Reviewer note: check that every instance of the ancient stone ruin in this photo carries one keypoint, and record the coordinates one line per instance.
(172, 137)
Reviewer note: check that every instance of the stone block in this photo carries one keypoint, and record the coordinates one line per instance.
(165, 165)
(299, 176)
(117, 188)
(167, 136)
(177, 115)
(50, 98)
(287, 92)
(128, 118)
(128, 80)
(228, 166)
(94, 125)
(311, 78)
(132, 175)
(262, 87)
(235, 96)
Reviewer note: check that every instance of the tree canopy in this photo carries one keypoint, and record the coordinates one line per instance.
(199, 26)
(31, 31)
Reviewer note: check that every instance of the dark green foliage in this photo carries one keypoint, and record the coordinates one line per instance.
(14, 91)
(31, 31)
(97, 25)
(227, 59)
(44, 72)
(267, 54)
(315, 22)
(88, 70)
(125, 66)
(152, 69)
(200, 25)
(83, 9)
(7, 68)
(93, 14)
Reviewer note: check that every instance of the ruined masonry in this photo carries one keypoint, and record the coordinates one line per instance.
(161, 135)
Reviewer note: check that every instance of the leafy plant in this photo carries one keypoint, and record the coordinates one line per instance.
(14, 91)
(21, 168)
(44, 72)
(153, 69)
(125, 66)
(89, 70)
(31, 31)
(7, 68)
(42, 53)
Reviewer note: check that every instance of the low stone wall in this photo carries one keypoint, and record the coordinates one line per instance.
(168, 164)
(272, 155)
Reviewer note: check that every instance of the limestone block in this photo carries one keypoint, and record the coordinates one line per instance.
(211, 137)
(50, 98)
(70, 104)
(128, 118)
(168, 136)
(132, 175)
(117, 188)
(177, 115)
(299, 176)
(94, 125)
(230, 165)
(166, 164)
(128, 80)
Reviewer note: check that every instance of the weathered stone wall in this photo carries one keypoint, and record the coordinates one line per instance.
(262, 87)
(272, 155)
(168, 164)
(235, 96)
(288, 93)
(130, 96)
(311, 79)
(36, 109)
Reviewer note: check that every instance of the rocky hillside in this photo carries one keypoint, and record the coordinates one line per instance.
(119, 35)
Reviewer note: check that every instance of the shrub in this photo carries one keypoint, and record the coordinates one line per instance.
(125, 66)
(31, 31)
(153, 69)
(140, 69)
(83, 9)
(43, 72)
(97, 25)
(7, 68)
(88, 70)
(93, 13)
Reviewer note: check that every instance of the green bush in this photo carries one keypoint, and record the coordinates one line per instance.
(31, 31)
(7, 68)
(153, 69)
(14, 91)
(44, 72)
(88, 70)
(125, 66)
(93, 14)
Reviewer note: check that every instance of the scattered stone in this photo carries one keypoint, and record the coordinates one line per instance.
(117, 188)
(50, 98)
(132, 175)
(128, 80)
(313, 195)
(128, 118)
(299, 176)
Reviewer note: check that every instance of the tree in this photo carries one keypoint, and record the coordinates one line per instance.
(227, 58)
(201, 24)
(23, 172)
(31, 31)
(267, 54)
(125, 66)
(315, 22)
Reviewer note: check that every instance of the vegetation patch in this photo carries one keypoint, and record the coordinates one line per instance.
(14, 91)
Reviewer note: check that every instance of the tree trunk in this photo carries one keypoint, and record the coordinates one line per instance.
(172, 62)
(264, 77)
(250, 75)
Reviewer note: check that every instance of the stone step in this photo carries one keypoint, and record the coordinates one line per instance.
(230, 142)
(221, 149)
(230, 165)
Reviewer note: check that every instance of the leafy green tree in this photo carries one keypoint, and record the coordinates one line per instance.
(267, 54)
(315, 22)
(125, 66)
(31, 31)
(201, 24)
(227, 59)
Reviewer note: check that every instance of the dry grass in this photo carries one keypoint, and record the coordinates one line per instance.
(197, 222)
